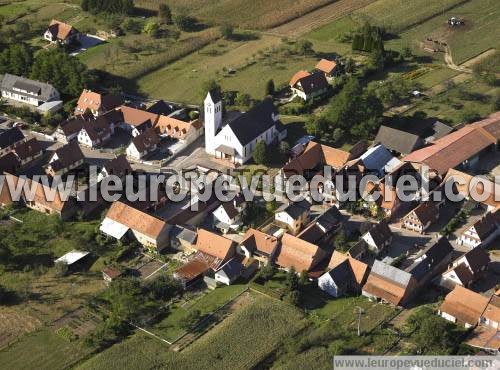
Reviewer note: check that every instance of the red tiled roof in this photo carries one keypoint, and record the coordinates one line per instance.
(464, 304)
(297, 253)
(453, 149)
(327, 66)
(297, 76)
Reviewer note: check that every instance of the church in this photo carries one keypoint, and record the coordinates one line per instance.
(235, 136)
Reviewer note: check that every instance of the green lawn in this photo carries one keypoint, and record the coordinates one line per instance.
(42, 349)
(451, 105)
(169, 328)
(240, 341)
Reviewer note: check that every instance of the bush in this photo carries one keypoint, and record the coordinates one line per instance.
(185, 22)
(227, 31)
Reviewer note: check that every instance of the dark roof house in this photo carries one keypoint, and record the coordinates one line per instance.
(396, 140)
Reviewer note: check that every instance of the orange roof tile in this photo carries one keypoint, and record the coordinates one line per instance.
(175, 127)
(297, 76)
(136, 220)
(60, 29)
(453, 149)
(297, 253)
(257, 240)
(213, 244)
(315, 154)
(492, 311)
(464, 304)
(359, 268)
(327, 66)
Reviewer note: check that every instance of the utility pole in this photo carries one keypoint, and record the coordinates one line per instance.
(360, 311)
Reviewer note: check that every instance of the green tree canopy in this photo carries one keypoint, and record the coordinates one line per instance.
(260, 153)
(64, 72)
(16, 59)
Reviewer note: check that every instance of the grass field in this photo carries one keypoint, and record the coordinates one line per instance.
(42, 350)
(451, 105)
(240, 341)
(252, 64)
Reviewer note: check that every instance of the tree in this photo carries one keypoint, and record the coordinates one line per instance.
(260, 152)
(209, 85)
(227, 31)
(407, 53)
(304, 47)
(16, 59)
(164, 14)
(190, 320)
(340, 241)
(184, 22)
(270, 88)
(66, 73)
(292, 280)
(267, 272)
(132, 25)
(243, 99)
(125, 297)
(316, 125)
(349, 65)
(60, 269)
(470, 115)
(152, 28)
(496, 102)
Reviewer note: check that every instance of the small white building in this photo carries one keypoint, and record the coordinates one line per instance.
(480, 233)
(235, 140)
(293, 216)
(148, 230)
(61, 32)
(229, 272)
(228, 216)
(143, 144)
(94, 134)
(379, 237)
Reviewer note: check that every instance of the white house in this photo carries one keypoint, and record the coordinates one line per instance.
(93, 134)
(229, 272)
(307, 85)
(482, 232)
(65, 159)
(345, 275)
(229, 214)
(61, 32)
(466, 269)
(143, 144)
(235, 140)
(118, 166)
(378, 237)
(123, 219)
(293, 215)
(27, 91)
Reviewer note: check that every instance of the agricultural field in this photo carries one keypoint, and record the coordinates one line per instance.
(230, 344)
(14, 323)
(42, 350)
(256, 14)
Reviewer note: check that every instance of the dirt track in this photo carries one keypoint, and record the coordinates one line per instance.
(318, 18)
